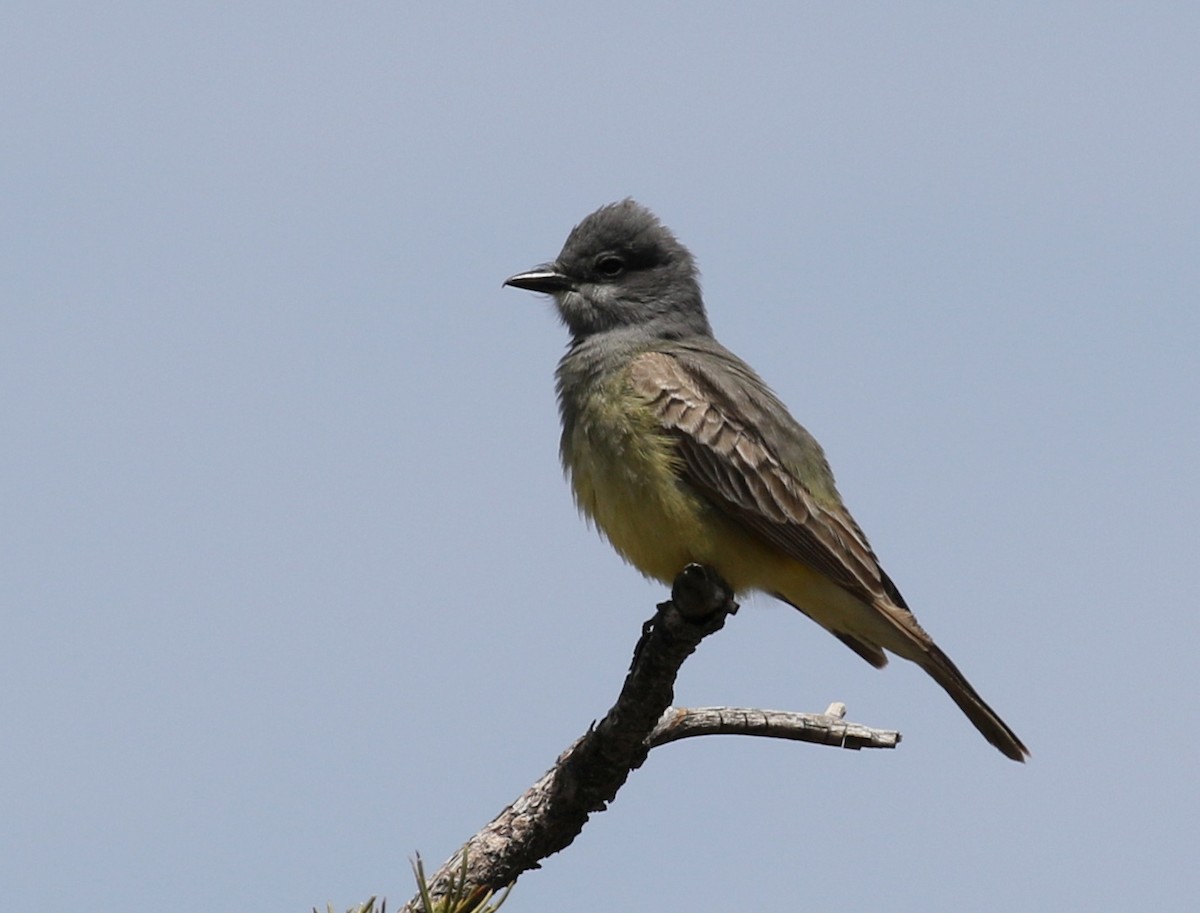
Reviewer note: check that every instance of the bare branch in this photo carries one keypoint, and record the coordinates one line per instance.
(586, 777)
(820, 728)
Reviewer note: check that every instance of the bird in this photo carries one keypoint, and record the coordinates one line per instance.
(679, 453)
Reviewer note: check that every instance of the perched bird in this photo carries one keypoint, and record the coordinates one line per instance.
(680, 454)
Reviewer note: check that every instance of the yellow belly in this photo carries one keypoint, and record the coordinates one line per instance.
(625, 476)
(624, 480)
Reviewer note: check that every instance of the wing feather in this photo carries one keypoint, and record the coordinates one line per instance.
(726, 456)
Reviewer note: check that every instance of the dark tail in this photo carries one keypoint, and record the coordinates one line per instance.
(986, 720)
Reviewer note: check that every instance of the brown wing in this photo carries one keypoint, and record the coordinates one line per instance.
(727, 458)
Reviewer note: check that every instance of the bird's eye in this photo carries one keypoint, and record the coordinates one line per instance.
(610, 266)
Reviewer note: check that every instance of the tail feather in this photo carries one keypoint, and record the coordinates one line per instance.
(986, 720)
(870, 628)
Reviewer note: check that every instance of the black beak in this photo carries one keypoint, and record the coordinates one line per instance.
(543, 279)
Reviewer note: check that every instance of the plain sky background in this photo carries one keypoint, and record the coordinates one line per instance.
(291, 584)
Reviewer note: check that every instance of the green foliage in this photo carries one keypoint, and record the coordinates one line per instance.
(459, 898)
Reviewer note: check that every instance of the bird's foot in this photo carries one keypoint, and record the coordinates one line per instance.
(699, 592)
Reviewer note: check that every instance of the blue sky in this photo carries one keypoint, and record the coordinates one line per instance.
(291, 584)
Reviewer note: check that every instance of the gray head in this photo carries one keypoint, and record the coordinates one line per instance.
(622, 268)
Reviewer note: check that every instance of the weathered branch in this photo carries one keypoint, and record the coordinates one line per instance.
(587, 776)
(826, 728)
